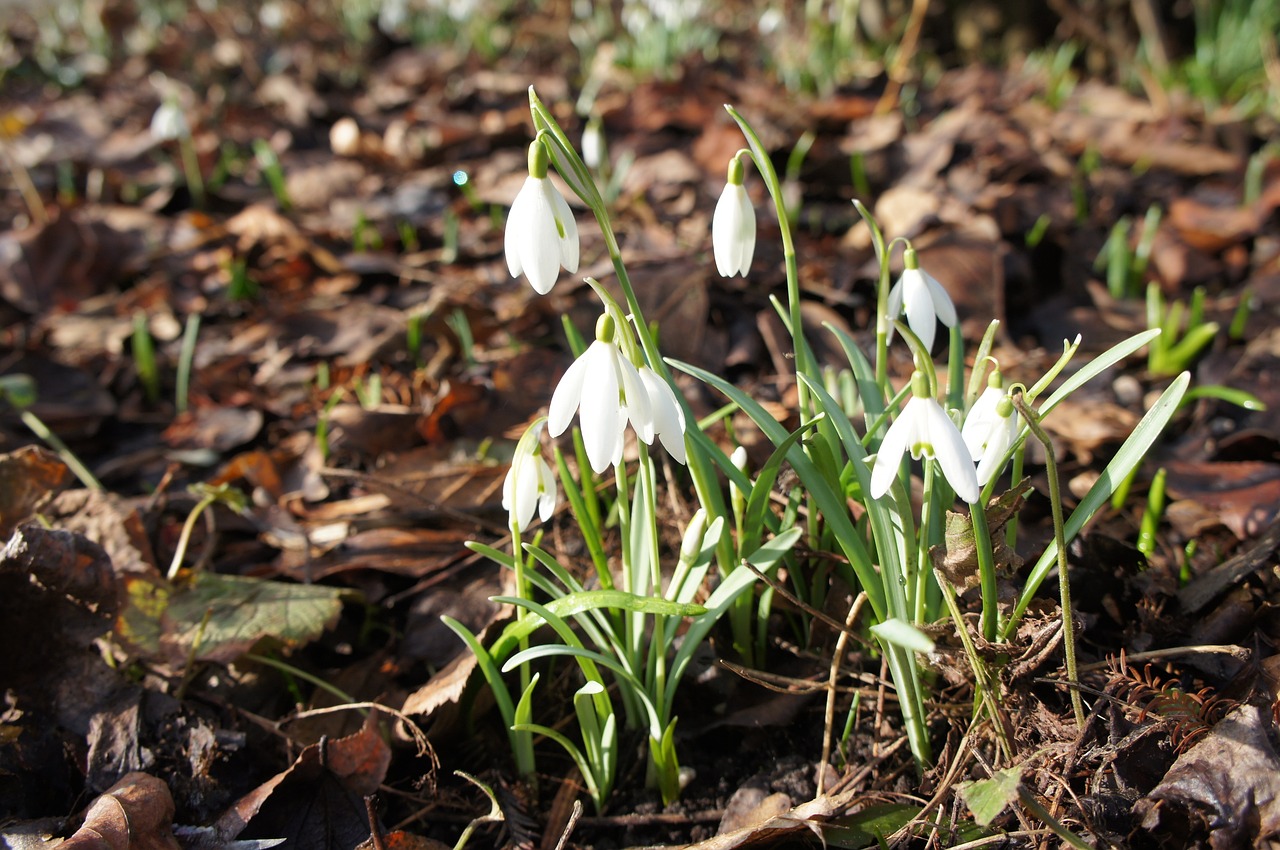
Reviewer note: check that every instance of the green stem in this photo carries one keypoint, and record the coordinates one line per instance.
(986, 570)
(770, 176)
(184, 539)
(923, 563)
(191, 168)
(68, 457)
(1060, 539)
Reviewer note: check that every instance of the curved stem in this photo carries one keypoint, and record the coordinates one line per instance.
(1060, 539)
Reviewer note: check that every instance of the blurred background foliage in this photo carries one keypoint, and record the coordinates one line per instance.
(1220, 56)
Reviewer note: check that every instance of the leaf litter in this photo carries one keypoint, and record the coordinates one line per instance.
(363, 365)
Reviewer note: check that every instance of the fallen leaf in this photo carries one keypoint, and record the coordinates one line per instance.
(220, 617)
(317, 803)
(29, 479)
(1228, 783)
(134, 814)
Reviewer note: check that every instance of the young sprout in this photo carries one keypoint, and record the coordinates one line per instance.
(733, 228)
(924, 429)
(530, 482)
(926, 302)
(541, 234)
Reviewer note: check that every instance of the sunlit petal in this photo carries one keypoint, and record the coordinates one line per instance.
(950, 451)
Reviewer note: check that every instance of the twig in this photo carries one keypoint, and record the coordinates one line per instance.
(830, 715)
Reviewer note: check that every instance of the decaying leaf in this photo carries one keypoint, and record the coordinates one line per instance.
(220, 617)
(134, 814)
(1229, 784)
(957, 559)
(317, 803)
(29, 478)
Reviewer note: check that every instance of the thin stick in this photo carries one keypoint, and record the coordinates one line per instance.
(830, 717)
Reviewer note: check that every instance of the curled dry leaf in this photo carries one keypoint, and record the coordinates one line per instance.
(134, 814)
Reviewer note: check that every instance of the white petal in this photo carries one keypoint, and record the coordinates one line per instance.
(942, 304)
(921, 317)
(993, 455)
(981, 419)
(516, 225)
(746, 231)
(635, 396)
(567, 396)
(733, 231)
(668, 418)
(519, 491)
(950, 452)
(600, 414)
(564, 216)
(548, 494)
(889, 457)
(532, 235)
(894, 307)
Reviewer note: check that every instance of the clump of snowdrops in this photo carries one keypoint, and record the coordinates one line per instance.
(634, 625)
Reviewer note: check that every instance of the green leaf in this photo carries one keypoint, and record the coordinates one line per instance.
(987, 798)
(1125, 461)
(902, 634)
(753, 517)
(831, 503)
(221, 617)
(1097, 366)
(869, 826)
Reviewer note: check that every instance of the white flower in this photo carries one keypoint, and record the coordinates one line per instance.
(924, 429)
(541, 232)
(593, 144)
(606, 390)
(925, 300)
(168, 122)
(733, 227)
(667, 417)
(529, 483)
(989, 430)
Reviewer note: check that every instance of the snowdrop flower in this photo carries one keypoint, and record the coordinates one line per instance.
(667, 417)
(541, 233)
(924, 429)
(593, 144)
(990, 428)
(168, 122)
(733, 227)
(530, 482)
(606, 389)
(926, 302)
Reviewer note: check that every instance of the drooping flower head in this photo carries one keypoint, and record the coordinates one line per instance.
(606, 390)
(924, 429)
(733, 227)
(990, 428)
(168, 122)
(924, 299)
(541, 232)
(530, 482)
